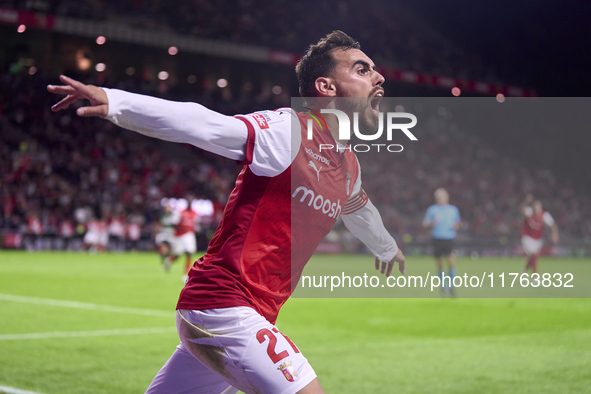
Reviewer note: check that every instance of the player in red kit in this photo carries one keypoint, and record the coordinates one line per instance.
(286, 199)
(533, 231)
(184, 241)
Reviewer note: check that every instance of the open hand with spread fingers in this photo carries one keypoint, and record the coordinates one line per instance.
(386, 267)
(75, 91)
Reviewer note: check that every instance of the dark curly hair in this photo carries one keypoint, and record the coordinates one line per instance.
(319, 62)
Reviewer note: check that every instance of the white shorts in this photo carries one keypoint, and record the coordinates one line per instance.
(164, 237)
(184, 244)
(92, 238)
(231, 349)
(531, 246)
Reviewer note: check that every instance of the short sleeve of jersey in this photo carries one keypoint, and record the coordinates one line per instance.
(269, 149)
(457, 211)
(548, 219)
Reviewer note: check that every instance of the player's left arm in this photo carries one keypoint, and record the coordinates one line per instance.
(366, 224)
(549, 221)
(458, 220)
(362, 218)
(554, 229)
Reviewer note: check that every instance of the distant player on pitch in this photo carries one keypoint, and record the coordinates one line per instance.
(533, 230)
(444, 221)
(96, 237)
(275, 218)
(165, 237)
(184, 241)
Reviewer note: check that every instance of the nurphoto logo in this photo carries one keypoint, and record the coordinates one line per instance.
(345, 129)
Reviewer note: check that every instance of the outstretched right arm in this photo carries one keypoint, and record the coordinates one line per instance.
(167, 120)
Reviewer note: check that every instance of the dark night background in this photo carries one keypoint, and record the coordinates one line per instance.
(544, 44)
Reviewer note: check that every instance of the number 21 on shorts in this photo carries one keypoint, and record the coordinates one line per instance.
(271, 335)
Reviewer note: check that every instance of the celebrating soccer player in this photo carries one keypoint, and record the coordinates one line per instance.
(270, 229)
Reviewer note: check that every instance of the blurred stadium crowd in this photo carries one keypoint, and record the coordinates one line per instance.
(484, 184)
(60, 168)
(391, 34)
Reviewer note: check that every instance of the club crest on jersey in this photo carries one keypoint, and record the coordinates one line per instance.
(288, 371)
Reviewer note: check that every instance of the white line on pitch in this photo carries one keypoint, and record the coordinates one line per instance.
(96, 333)
(85, 305)
(12, 390)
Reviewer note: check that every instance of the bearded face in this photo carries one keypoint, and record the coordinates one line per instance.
(367, 109)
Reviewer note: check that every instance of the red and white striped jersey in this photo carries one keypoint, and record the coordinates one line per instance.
(287, 197)
(186, 223)
(533, 225)
(272, 225)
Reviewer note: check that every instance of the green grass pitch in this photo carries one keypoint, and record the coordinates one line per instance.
(113, 328)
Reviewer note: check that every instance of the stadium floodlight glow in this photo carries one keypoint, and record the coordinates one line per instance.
(172, 202)
(173, 51)
(500, 97)
(100, 67)
(191, 79)
(222, 83)
(456, 91)
(82, 62)
(100, 40)
(21, 28)
(181, 204)
(163, 75)
(202, 207)
(32, 70)
(130, 71)
(277, 90)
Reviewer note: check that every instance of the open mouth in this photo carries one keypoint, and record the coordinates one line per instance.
(375, 102)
